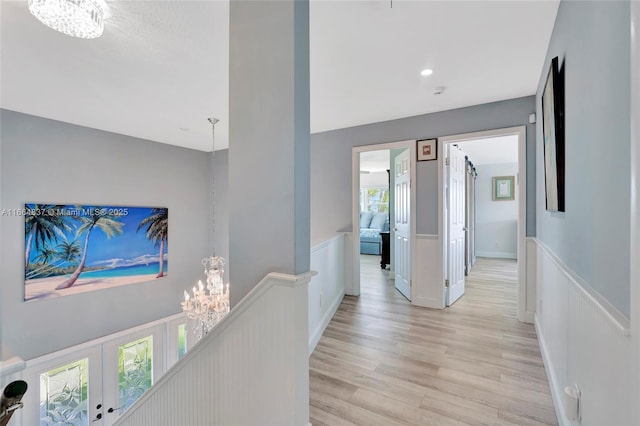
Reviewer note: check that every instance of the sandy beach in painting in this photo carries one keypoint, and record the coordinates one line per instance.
(45, 288)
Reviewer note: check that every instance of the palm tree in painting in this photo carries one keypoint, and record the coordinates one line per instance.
(66, 252)
(46, 255)
(107, 223)
(43, 227)
(157, 224)
(69, 251)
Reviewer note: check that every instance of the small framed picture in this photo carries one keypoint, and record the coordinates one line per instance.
(503, 188)
(427, 149)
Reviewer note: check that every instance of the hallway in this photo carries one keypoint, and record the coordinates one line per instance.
(382, 361)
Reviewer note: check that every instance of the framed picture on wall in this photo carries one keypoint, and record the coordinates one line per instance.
(73, 248)
(502, 188)
(427, 149)
(553, 137)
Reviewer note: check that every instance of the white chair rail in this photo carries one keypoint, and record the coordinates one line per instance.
(251, 369)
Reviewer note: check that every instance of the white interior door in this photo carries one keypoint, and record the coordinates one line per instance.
(402, 240)
(456, 222)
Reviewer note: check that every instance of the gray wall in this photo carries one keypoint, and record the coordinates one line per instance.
(49, 161)
(268, 141)
(592, 237)
(221, 188)
(331, 161)
(496, 221)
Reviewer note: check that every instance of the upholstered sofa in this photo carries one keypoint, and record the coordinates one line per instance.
(371, 224)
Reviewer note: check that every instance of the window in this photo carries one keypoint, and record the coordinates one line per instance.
(135, 370)
(93, 383)
(64, 395)
(182, 340)
(375, 200)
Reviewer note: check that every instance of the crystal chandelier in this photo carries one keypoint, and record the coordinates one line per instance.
(210, 303)
(77, 18)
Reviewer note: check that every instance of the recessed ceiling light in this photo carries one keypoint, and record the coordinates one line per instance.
(426, 72)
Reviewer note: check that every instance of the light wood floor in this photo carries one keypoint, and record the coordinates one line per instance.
(382, 361)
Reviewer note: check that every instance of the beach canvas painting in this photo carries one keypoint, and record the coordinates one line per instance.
(78, 248)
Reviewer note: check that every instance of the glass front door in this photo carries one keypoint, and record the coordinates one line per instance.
(131, 365)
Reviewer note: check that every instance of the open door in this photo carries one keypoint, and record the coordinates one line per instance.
(456, 179)
(470, 217)
(401, 222)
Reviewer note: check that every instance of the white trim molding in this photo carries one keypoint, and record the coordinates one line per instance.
(215, 382)
(521, 133)
(584, 341)
(531, 253)
(10, 367)
(427, 290)
(410, 144)
(607, 310)
(327, 289)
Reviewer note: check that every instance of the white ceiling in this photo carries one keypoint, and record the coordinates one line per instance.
(161, 67)
(503, 149)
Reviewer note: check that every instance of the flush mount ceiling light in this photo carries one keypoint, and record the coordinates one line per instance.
(77, 18)
(438, 90)
(426, 72)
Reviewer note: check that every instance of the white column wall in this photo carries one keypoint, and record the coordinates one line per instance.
(269, 141)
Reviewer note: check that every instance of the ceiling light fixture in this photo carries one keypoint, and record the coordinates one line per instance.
(426, 72)
(210, 303)
(439, 90)
(77, 18)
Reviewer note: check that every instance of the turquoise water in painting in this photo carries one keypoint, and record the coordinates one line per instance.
(126, 271)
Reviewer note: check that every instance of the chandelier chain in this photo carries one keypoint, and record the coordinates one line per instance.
(209, 303)
(212, 243)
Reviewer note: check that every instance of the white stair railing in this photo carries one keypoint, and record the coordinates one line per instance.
(251, 369)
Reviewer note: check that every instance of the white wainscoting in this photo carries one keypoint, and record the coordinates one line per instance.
(326, 289)
(583, 341)
(531, 280)
(9, 368)
(252, 368)
(349, 271)
(427, 291)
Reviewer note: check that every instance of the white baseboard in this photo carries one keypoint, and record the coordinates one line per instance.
(326, 319)
(551, 377)
(497, 254)
(529, 317)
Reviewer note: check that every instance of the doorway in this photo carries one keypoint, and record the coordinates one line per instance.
(399, 160)
(94, 384)
(498, 159)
